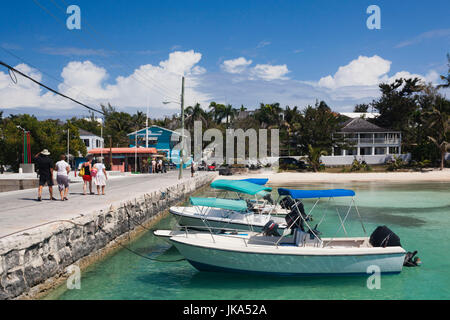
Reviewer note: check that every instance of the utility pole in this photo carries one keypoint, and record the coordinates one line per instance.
(68, 153)
(180, 175)
(101, 141)
(110, 153)
(146, 128)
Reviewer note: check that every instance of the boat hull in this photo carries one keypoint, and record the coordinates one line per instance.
(219, 260)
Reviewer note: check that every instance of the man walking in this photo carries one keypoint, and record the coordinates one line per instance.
(45, 169)
(62, 177)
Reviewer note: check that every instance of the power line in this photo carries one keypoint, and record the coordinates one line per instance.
(48, 88)
(49, 75)
(159, 88)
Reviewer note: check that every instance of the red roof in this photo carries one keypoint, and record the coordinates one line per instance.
(122, 150)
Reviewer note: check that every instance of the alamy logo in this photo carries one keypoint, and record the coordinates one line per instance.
(74, 20)
(257, 147)
(374, 20)
(374, 281)
(74, 280)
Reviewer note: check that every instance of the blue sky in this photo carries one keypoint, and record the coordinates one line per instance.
(132, 53)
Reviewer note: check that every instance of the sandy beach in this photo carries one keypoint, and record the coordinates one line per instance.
(299, 177)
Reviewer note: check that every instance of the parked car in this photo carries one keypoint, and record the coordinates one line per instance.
(288, 163)
(212, 167)
(225, 170)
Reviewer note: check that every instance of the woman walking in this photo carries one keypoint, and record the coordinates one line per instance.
(100, 176)
(62, 177)
(85, 172)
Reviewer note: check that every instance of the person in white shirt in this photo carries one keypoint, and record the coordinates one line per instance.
(100, 177)
(62, 177)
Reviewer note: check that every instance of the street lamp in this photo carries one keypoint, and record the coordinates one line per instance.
(181, 103)
(26, 157)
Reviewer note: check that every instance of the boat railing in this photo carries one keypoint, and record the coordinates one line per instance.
(235, 233)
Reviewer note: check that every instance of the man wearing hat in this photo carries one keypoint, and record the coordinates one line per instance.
(45, 169)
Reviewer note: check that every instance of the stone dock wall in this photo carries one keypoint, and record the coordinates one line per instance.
(32, 262)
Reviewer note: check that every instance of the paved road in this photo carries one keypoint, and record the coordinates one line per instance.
(20, 209)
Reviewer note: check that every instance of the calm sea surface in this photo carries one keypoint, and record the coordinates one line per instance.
(418, 212)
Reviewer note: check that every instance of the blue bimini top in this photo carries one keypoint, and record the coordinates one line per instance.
(306, 194)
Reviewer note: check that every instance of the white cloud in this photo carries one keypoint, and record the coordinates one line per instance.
(360, 78)
(237, 65)
(263, 44)
(364, 71)
(439, 33)
(86, 82)
(269, 72)
(241, 83)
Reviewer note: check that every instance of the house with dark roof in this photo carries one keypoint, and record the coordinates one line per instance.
(368, 142)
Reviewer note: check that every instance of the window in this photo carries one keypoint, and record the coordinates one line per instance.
(380, 150)
(393, 150)
(86, 142)
(365, 151)
(352, 152)
(337, 151)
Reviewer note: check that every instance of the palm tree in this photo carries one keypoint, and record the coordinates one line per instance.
(217, 111)
(437, 121)
(195, 113)
(269, 115)
(229, 113)
(314, 154)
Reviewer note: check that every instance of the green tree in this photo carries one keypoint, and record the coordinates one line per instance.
(196, 113)
(398, 107)
(317, 126)
(436, 120)
(361, 107)
(314, 154)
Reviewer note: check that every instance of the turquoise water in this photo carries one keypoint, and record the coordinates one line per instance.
(419, 213)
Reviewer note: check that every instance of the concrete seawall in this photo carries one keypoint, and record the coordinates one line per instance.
(32, 262)
(17, 184)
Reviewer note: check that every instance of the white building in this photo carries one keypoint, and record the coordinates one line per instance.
(91, 140)
(370, 143)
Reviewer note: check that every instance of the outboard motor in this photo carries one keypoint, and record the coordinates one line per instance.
(293, 220)
(384, 237)
(410, 261)
(270, 229)
(300, 209)
(268, 198)
(287, 203)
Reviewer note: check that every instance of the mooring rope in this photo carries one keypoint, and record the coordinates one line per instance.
(107, 233)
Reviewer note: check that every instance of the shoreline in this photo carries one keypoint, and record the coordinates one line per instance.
(308, 177)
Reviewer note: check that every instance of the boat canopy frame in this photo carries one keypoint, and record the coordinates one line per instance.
(320, 194)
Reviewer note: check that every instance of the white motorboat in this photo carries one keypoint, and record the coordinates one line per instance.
(303, 254)
(222, 214)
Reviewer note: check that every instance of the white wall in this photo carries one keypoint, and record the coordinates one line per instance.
(347, 160)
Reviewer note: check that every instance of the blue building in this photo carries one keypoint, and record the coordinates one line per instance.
(158, 138)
